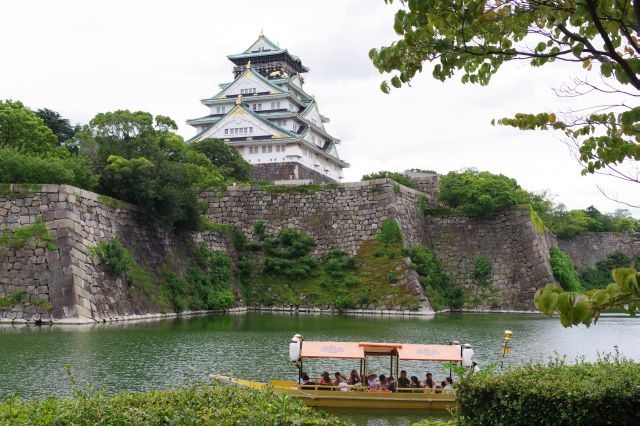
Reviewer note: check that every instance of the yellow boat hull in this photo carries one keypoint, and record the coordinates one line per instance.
(353, 399)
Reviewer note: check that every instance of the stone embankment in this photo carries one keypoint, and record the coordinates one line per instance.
(586, 250)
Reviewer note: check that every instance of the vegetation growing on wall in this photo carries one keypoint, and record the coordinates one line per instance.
(564, 270)
(600, 276)
(399, 177)
(203, 286)
(18, 237)
(196, 405)
(437, 285)
(280, 270)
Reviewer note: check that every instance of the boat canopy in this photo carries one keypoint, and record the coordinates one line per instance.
(358, 350)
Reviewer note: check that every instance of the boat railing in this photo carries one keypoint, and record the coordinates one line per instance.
(361, 388)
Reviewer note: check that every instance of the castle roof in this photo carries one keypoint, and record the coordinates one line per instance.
(264, 47)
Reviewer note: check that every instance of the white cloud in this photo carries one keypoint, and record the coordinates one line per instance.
(84, 57)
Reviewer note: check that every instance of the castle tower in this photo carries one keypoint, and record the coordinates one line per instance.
(266, 114)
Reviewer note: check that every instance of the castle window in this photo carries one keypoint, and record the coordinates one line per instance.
(257, 107)
(250, 91)
(275, 105)
(220, 109)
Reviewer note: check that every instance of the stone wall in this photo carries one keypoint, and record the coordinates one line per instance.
(586, 250)
(68, 284)
(270, 172)
(429, 184)
(518, 253)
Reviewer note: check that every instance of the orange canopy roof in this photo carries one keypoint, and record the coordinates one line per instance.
(331, 350)
(356, 350)
(430, 352)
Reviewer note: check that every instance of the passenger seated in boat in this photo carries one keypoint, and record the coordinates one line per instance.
(429, 384)
(325, 380)
(301, 379)
(415, 384)
(447, 385)
(404, 382)
(339, 378)
(307, 383)
(438, 389)
(372, 382)
(384, 383)
(342, 384)
(354, 378)
(392, 385)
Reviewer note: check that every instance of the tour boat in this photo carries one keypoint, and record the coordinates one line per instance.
(359, 396)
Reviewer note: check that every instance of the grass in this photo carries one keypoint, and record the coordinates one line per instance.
(302, 189)
(111, 202)
(18, 237)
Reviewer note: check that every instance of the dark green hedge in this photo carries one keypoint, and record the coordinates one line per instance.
(604, 392)
(198, 405)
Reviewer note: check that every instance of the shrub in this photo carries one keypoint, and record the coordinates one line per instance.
(482, 268)
(115, 256)
(389, 232)
(604, 392)
(18, 237)
(422, 205)
(538, 224)
(401, 178)
(392, 277)
(195, 405)
(479, 193)
(226, 158)
(21, 167)
(563, 270)
(435, 282)
(343, 302)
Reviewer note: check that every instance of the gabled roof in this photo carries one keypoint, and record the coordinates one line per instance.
(254, 73)
(262, 40)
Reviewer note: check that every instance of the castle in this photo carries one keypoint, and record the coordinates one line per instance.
(266, 114)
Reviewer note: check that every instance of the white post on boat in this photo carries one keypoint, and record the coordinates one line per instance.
(467, 355)
(295, 350)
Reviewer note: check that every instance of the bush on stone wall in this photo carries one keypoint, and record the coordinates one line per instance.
(389, 232)
(399, 177)
(482, 268)
(564, 270)
(604, 392)
(437, 285)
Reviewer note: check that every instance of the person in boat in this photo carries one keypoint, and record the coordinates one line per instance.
(325, 380)
(404, 382)
(384, 383)
(475, 368)
(415, 384)
(372, 382)
(307, 383)
(392, 384)
(354, 378)
(301, 379)
(339, 378)
(342, 384)
(428, 382)
(447, 385)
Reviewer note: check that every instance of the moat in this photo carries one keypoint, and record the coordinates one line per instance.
(151, 355)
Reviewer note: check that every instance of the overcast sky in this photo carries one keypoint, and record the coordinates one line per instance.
(84, 57)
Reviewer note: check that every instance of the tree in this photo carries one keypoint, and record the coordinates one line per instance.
(577, 308)
(476, 37)
(23, 130)
(226, 158)
(141, 160)
(479, 193)
(61, 127)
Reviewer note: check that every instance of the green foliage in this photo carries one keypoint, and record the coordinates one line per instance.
(225, 228)
(11, 299)
(281, 270)
(537, 221)
(142, 161)
(578, 308)
(201, 404)
(476, 38)
(225, 158)
(422, 204)
(399, 177)
(61, 127)
(24, 167)
(389, 232)
(482, 268)
(18, 237)
(22, 130)
(564, 270)
(392, 277)
(115, 256)
(206, 286)
(479, 193)
(111, 202)
(437, 285)
(552, 394)
(396, 188)
(600, 276)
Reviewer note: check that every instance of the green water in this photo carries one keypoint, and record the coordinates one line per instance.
(160, 354)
